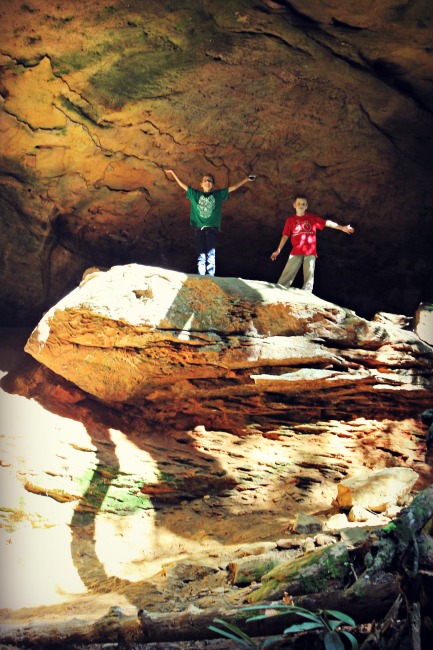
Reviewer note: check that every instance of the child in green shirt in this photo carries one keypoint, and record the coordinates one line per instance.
(205, 216)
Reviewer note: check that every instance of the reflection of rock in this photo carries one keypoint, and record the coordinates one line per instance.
(181, 343)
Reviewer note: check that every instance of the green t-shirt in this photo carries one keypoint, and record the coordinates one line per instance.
(206, 208)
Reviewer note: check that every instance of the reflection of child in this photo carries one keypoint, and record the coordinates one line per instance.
(301, 228)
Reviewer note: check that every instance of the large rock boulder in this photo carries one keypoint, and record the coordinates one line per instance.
(423, 322)
(146, 335)
(377, 490)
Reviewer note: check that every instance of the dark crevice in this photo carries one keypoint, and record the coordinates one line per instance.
(390, 73)
(340, 23)
(10, 175)
(270, 35)
(29, 64)
(85, 115)
(385, 71)
(386, 134)
(299, 19)
(349, 61)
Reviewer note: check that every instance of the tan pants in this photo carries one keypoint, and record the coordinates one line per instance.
(292, 267)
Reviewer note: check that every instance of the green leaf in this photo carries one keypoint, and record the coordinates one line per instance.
(305, 614)
(230, 636)
(334, 624)
(301, 610)
(268, 606)
(234, 633)
(353, 642)
(341, 617)
(285, 609)
(227, 635)
(301, 627)
(270, 640)
(333, 641)
(261, 617)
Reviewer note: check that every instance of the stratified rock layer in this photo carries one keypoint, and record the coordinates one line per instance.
(180, 345)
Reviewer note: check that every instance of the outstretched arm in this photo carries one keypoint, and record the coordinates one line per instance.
(275, 254)
(247, 179)
(347, 229)
(177, 179)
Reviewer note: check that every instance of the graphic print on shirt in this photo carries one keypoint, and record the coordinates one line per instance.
(304, 237)
(302, 226)
(206, 205)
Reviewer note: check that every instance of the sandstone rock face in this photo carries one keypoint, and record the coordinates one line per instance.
(424, 322)
(377, 490)
(183, 345)
(133, 505)
(327, 98)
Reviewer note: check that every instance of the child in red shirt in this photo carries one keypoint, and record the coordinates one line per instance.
(301, 228)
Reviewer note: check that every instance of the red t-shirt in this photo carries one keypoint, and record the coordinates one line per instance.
(302, 233)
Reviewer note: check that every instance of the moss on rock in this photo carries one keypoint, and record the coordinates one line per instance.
(312, 573)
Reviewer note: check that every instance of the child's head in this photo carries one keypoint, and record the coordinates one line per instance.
(207, 182)
(300, 204)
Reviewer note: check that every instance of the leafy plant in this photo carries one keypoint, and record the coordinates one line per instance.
(327, 620)
(235, 634)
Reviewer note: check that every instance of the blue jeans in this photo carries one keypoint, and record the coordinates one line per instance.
(205, 244)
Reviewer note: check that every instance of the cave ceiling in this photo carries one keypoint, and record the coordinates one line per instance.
(327, 97)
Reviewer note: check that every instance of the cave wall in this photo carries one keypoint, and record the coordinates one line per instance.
(331, 98)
